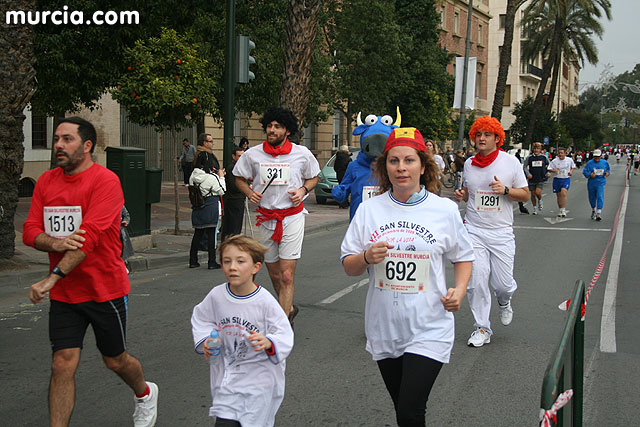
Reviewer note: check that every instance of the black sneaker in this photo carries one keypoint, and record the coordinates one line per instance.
(524, 210)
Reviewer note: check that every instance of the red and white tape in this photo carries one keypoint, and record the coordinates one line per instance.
(552, 414)
(565, 305)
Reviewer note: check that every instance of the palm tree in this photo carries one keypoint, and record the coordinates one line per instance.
(299, 45)
(505, 57)
(552, 18)
(17, 86)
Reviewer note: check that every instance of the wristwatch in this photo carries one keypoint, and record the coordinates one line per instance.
(56, 270)
(506, 190)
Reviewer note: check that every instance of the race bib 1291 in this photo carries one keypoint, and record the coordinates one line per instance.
(61, 221)
(403, 271)
(488, 201)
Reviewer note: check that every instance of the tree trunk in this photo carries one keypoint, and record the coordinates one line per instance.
(505, 58)
(546, 73)
(17, 86)
(555, 78)
(299, 46)
(174, 141)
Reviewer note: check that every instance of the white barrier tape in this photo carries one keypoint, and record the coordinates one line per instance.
(564, 306)
(552, 414)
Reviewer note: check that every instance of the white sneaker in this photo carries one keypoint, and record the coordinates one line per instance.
(506, 313)
(593, 214)
(146, 410)
(540, 205)
(479, 337)
(535, 210)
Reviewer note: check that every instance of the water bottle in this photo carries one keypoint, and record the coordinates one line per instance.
(214, 343)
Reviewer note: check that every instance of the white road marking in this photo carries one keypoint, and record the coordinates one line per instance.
(529, 227)
(555, 220)
(608, 322)
(344, 292)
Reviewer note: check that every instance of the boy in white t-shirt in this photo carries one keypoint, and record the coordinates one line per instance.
(492, 180)
(247, 378)
(563, 167)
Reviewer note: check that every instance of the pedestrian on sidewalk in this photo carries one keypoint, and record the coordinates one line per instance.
(186, 159)
(283, 174)
(343, 158)
(233, 200)
(248, 376)
(88, 283)
(492, 180)
(402, 239)
(596, 171)
(563, 167)
(209, 178)
(523, 209)
(127, 247)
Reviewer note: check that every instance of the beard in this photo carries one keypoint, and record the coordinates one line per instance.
(70, 161)
(276, 141)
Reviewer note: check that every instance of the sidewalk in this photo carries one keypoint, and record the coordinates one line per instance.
(163, 247)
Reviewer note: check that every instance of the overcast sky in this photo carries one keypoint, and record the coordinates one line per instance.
(620, 44)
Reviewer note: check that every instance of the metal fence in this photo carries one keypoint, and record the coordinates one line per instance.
(161, 152)
(566, 368)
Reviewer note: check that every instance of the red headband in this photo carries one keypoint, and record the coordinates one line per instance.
(409, 137)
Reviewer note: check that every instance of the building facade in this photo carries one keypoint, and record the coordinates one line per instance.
(453, 34)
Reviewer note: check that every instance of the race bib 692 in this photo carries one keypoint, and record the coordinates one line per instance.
(403, 271)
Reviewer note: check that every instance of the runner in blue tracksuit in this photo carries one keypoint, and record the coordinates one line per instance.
(596, 171)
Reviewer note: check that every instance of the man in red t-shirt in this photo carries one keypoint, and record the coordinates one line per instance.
(75, 217)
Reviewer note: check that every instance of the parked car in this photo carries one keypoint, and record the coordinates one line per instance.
(327, 178)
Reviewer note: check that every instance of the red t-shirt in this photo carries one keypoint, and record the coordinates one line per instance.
(102, 275)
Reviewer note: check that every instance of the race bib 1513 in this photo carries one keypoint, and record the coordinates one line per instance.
(61, 221)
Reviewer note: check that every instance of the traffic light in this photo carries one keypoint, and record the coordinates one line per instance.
(243, 59)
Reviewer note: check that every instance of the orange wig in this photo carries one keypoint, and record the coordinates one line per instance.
(486, 123)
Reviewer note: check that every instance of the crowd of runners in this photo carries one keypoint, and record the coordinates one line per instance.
(402, 239)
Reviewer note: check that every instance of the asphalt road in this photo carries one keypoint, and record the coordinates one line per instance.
(331, 380)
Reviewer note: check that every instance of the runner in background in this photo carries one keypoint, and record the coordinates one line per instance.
(563, 167)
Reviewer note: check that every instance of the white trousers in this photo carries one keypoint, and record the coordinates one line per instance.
(494, 251)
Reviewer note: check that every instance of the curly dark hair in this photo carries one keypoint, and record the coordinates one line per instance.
(430, 178)
(284, 116)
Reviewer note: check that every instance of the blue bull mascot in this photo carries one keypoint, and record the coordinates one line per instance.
(358, 179)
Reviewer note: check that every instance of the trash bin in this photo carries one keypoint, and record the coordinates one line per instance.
(154, 184)
(129, 164)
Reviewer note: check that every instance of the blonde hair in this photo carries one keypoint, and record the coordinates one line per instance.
(430, 178)
(246, 244)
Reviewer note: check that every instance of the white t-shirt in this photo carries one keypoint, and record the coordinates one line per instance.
(562, 166)
(399, 322)
(292, 169)
(246, 385)
(439, 161)
(509, 171)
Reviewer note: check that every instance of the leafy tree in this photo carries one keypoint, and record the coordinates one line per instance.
(168, 85)
(17, 84)
(580, 125)
(425, 90)
(546, 124)
(368, 64)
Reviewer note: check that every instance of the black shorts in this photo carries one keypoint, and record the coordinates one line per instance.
(68, 323)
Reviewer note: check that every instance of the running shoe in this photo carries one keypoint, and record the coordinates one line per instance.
(146, 410)
(593, 214)
(479, 337)
(598, 217)
(506, 313)
(535, 210)
(540, 205)
(524, 210)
